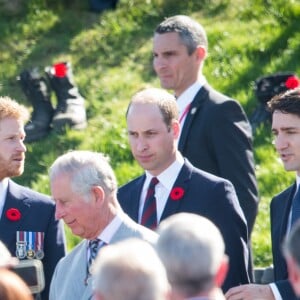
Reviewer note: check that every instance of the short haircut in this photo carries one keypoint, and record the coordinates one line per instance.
(192, 250)
(130, 270)
(287, 102)
(10, 108)
(165, 101)
(191, 33)
(86, 169)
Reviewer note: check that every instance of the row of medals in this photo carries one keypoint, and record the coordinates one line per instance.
(22, 252)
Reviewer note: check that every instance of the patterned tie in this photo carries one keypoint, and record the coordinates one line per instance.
(149, 216)
(296, 207)
(94, 247)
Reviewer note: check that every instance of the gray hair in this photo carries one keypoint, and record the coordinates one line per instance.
(191, 33)
(86, 169)
(192, 249)
(130, 270)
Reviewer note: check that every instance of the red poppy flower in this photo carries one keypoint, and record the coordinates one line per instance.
(292, 82)
(60, 70)
(13, 214)
(177, 193)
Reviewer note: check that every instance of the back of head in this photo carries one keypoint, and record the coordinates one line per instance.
(86, 169)
(191, 33)
(292, 244)
(11, 109)
(12, 287)
(287, 102)
(130, 270)
(192, 250)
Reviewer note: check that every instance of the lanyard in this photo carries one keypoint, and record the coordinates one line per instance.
(186, 110)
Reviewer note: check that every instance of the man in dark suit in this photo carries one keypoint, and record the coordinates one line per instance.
(27, 225)
(153, 129)
(285, 109)
(215, 133)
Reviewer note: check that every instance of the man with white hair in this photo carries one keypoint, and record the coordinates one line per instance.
(83, 186)
(130, 270)
(192, 249)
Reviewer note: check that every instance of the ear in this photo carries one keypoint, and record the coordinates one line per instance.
(222, 272)
(200, 53)
(98, 194)
(175, 128)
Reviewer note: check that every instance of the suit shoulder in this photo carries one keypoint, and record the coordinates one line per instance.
(22, 192)
(130, 184)
(282, 195)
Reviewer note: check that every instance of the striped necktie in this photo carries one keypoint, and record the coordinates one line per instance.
(149, 215)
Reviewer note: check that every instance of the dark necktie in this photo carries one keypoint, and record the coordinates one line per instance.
(296, 207)
(149, 216)
(94, 246)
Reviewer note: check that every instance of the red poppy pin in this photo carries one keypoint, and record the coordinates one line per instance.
(13, 214)
(176, 193)
(292, 82)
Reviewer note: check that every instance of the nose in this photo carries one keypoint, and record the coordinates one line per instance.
(59, 211)
(21, 146)
(158, 63)
(280, 142)
(141, 145)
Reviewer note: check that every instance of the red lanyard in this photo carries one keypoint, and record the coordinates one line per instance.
(186, 110)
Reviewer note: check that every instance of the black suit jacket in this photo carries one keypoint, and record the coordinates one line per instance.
(208, 196)
(217, 138)
(37, 215)
(280, 209)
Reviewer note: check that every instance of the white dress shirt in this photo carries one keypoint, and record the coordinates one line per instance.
(3, 192)
(162, 190)
(186, 98)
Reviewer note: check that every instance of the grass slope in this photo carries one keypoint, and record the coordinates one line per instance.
(111, 58)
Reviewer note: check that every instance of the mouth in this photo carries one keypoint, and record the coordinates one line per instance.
(286, 157)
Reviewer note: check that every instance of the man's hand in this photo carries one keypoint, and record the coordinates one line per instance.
(250, 292)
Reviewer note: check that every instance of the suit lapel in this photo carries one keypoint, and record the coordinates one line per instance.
(133, 209)
(14, 199)
(195, 106)
(182, 182)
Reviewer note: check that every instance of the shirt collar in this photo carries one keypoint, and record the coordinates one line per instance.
(168, 177)
(189, 94)
(3, 193)
(109, 231)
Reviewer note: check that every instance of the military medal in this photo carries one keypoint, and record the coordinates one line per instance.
(30, 245)
(20, 245)
(39, 254)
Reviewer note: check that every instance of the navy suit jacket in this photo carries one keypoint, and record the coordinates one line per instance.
(217, 138)
(208, 196)
(280, 209)
(37, 215)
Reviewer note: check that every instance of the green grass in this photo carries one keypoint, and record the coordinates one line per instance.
(112, 59)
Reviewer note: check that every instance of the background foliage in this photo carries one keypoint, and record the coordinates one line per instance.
(112, 59)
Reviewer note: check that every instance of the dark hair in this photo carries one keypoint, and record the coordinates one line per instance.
(288, 102)
(191, 33)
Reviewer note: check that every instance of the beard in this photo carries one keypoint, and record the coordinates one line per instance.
(11, 167)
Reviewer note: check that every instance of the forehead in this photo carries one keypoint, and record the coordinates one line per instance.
(166, 41)
(10, 125)
(144, 114)
(281, 119)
